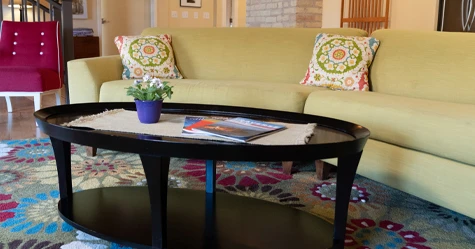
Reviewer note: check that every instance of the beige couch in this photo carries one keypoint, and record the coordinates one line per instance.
(421, 110)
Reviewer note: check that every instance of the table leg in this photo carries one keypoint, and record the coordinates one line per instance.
(156, 171)
(210, 222)
(210, 176)
(210, 208)
(62, 153)
(345, 176)
(287, 167)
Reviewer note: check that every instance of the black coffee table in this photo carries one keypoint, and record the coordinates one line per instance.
(158, 217)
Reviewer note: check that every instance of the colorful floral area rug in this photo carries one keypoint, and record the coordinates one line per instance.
(380, 217)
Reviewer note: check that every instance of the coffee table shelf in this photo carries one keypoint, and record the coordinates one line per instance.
(122, 214)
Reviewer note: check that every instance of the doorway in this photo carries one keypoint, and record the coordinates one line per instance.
(229, 13)
(233, 13)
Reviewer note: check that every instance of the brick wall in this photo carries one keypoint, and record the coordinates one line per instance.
(309, 13)
(284, 13)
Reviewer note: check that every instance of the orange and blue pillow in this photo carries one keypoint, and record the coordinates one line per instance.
(152, 55)
(341, 62)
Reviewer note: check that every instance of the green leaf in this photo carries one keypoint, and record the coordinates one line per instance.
(146, 92)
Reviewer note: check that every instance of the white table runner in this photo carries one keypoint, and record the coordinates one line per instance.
(171, 125)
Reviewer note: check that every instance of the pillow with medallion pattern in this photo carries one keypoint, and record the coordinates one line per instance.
(151, 55)
(341, 62)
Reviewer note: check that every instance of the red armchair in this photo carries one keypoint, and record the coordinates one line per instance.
(31, 62)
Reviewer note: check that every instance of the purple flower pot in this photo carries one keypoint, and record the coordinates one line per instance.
(149, 111)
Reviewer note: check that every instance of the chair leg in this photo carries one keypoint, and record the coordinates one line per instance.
(91, 151)
(9, 104)
(322, 170)
(37, 101)
(287, 167)
(58, 97)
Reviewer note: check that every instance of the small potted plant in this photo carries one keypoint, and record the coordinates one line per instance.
(149, 94)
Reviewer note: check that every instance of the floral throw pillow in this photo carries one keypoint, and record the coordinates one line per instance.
(152, 55)
(341, 62)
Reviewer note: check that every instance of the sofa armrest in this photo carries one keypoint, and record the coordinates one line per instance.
(87, 75)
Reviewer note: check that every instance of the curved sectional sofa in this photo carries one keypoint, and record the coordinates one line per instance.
(420, 110)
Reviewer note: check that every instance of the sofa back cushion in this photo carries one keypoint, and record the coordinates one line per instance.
(257, 54)
(425, 64)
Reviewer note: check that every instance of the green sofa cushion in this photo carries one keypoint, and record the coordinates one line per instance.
(424, 64)
(279, 55)
(276, 96)
(444, 129)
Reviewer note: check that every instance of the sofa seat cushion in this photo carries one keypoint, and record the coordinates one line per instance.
(440, 128)
(265, 95)
(28, 79)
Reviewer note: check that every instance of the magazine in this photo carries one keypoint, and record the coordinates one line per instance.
(192, 122)
(237, 129)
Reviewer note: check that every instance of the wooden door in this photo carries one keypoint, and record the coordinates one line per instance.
(122, 17)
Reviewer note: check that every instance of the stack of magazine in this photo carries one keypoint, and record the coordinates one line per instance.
(236, 129)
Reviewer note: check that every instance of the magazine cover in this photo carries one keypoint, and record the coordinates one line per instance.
(238, 129)
(192, 122)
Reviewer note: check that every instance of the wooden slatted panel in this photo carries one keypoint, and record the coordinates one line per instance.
(360, 8)
(353, 12)
(369, 15)
(359, 5)
(350, 11)
(380, 9)
(342, 12)
(386, 23)
(372, 13)
(365, 13)
(375, 14)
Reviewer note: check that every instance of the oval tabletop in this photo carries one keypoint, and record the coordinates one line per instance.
(156, 216)
(332, 138)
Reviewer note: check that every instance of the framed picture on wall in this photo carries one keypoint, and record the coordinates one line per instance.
(79, 9)
(190, 3)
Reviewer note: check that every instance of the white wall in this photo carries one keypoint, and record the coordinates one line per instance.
(165, 19)
(405, 14)
(416, 15)
(92, 18)
(239, 13)
(331, 14)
